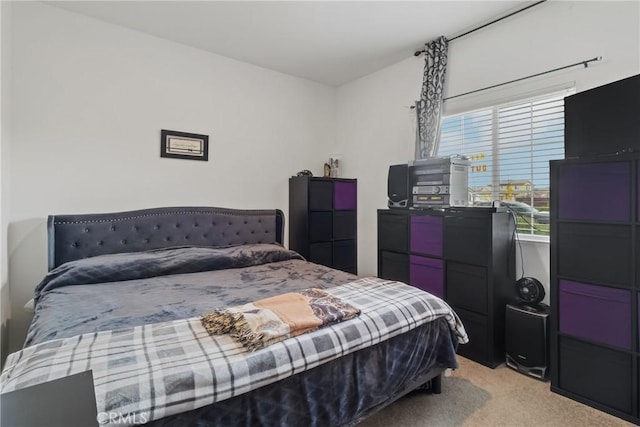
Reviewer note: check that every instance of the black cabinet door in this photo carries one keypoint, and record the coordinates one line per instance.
(344, 253)
(467, 239)
(321, 253)
(394, 266)
(597, 373)
(320, 195)
(477, 330)
(320, 226)
(596, 252)
(393, 231)
(467, 286)
(344, 225)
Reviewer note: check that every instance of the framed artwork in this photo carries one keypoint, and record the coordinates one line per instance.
(183, 145)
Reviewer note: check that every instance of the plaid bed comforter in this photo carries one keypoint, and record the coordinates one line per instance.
(153, 371)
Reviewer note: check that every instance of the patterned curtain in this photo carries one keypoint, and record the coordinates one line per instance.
(429, 107)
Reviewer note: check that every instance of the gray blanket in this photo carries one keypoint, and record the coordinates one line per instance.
(121, 291)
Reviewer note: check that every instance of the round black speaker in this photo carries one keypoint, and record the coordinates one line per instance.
(529, 290)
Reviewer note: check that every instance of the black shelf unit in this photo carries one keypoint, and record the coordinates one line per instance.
(323, 221)
(595, 251)
(465, 256)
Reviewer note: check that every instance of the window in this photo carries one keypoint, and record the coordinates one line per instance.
(510, 147)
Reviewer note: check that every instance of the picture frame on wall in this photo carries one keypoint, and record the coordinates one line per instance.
(184, 145)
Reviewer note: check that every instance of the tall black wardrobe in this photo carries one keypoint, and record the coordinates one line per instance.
(595, 251)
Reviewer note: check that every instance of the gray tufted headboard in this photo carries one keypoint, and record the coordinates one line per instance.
(73, 237)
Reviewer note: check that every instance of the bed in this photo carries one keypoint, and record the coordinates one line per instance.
(141, 279)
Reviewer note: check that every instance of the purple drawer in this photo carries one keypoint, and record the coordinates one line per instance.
(595, 191)
(427, 274)
(596, 313)
(345, 195)
(426, 235)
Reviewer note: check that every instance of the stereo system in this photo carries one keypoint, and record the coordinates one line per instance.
(527, 339)
(437, 182)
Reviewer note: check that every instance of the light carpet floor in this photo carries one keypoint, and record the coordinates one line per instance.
(477, 396)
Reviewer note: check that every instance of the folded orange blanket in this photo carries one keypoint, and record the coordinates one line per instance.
(274, 319)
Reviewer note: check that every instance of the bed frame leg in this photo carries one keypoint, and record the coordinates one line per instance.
(433, 386)
(436, 384)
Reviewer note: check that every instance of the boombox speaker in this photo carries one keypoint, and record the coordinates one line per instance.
(527, 339)
(399, 186)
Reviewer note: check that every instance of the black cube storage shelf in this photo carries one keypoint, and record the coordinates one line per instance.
(323, 221)
(595, 251)
(463, 255)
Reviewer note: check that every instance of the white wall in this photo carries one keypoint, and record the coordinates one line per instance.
(5, 97)
(375, 127)
(89, 100)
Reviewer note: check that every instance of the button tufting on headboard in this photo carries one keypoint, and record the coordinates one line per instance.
(74, 237)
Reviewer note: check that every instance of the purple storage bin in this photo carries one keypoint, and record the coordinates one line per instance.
(596, 313)
(345, 195)
(427, 274)
(595, 191)
(426, 235)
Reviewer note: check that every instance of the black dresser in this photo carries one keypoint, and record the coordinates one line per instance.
(323, 221)
(465, 256)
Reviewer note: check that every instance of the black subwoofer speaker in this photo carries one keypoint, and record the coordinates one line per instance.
(527, 339)
(399, 186)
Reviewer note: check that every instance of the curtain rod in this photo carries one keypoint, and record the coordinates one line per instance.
(418, 52)
(585, 63)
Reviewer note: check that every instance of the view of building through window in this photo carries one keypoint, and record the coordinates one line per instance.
(510, 147)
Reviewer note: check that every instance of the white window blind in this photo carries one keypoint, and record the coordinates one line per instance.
(510, 147)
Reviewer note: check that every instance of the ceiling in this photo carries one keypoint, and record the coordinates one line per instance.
(330, 42)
